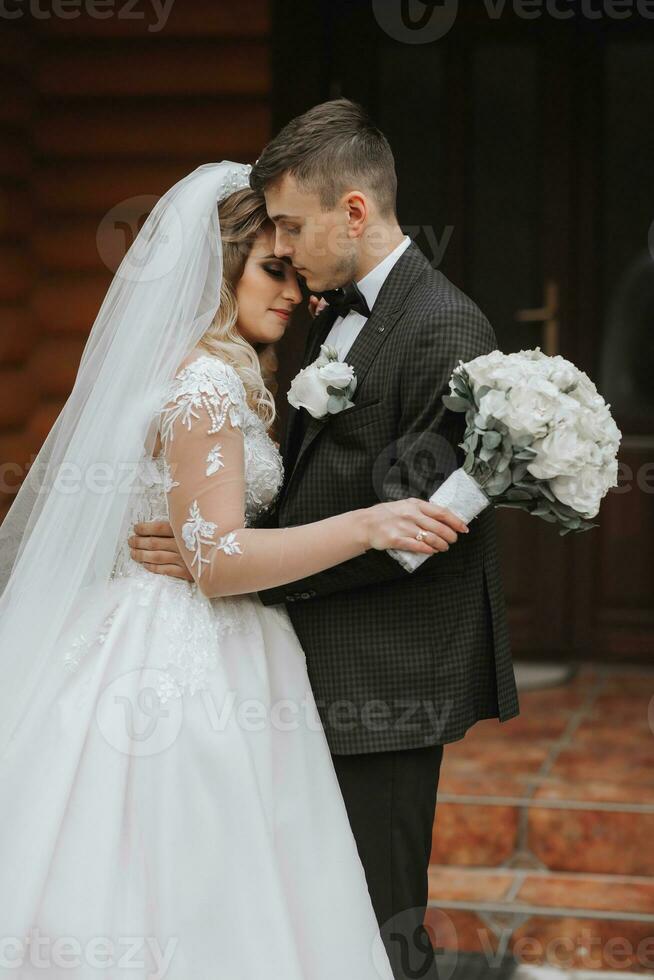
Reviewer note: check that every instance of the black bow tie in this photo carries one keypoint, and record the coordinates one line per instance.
(342, 301)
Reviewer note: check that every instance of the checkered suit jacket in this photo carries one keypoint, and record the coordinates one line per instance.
(397, 660)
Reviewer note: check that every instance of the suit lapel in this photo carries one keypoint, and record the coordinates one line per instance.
(386, 312)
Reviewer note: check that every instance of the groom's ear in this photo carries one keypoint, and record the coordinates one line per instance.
(358, 211)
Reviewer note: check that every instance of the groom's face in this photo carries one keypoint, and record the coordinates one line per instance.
(318, 242)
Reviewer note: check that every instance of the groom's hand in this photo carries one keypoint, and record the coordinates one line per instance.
(153, 545)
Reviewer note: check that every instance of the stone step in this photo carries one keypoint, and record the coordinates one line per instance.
(567, 921)
(567, 785)
(542, 844)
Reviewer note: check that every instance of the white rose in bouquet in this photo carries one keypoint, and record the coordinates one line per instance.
(562, 373)
(484, 371)
(562, 452)
(531, 408)
(582, 491)
(538, 437)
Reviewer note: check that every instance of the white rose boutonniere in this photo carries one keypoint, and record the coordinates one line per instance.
(324, 387)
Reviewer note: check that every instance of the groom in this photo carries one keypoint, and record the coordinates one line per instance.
(399, 663)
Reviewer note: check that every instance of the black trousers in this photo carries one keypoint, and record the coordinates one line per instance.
(390, 798)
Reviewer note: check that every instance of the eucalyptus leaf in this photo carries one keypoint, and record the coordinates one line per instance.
(498, 483)
(515, 493)
(491, 439)
(455, 403)
(546, 492)
(479, 394)
(516, 504)
(531, 488)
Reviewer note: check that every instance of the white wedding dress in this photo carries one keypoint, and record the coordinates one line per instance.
(169, 804)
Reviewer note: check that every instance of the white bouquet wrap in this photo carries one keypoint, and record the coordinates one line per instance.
(460, 494)
(538, 437)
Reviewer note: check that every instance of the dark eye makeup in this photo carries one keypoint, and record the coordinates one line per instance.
(274, 271)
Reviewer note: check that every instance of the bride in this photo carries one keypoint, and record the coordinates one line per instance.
(169, 803)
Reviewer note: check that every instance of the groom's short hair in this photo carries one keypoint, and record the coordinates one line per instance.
(329, 147)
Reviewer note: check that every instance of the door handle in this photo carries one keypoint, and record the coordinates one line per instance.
(548, 315)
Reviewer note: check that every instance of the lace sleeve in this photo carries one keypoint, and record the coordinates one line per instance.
(202, 434)
(202, 443)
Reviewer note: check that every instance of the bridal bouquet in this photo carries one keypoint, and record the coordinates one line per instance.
(539, 436)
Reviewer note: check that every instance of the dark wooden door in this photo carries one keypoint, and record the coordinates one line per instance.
(525, 153)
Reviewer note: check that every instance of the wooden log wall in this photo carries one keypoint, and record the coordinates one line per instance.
(19, 401)
(99, 118)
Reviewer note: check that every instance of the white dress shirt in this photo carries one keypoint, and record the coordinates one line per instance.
(345, 330)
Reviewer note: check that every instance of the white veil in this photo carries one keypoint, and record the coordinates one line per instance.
(71, 514)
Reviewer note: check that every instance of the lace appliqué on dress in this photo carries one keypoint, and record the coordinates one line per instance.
(229, 544)
(196, 532)
(83, 641)
(264, 469)
(168, 482)
(214, 460)
(208, 383)
(189, 629)
(204, 383)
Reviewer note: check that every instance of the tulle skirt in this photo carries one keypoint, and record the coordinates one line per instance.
(170, 807)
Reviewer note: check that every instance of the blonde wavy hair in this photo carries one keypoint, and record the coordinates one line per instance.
(242, 216)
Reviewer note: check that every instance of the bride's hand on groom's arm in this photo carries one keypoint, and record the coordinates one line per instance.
(396, 524)
(316, 305)
(446, 336)
(153, 545)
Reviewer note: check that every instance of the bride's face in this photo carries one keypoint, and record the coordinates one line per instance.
(266, 293)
